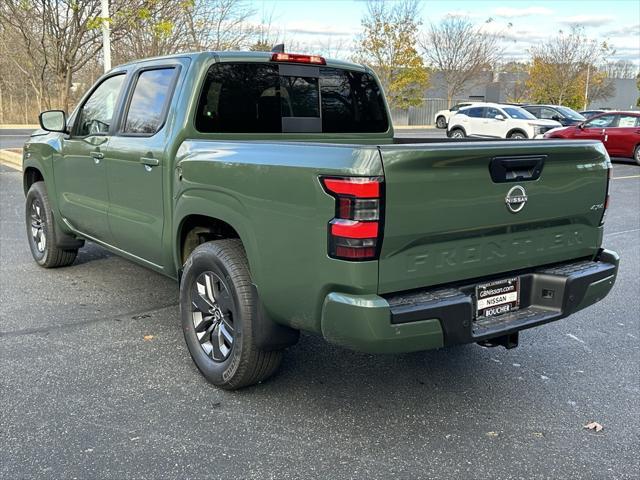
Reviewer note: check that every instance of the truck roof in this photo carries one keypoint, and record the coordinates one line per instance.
(241, 56)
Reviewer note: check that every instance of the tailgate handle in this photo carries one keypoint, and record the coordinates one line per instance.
(516, 169)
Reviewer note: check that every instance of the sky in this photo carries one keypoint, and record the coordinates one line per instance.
(334, 24)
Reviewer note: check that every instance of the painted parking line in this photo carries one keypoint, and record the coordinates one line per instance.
(625, 177)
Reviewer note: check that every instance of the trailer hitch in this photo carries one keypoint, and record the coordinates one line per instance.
(506, 341)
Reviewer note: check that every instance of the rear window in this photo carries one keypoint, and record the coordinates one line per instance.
(258, 98)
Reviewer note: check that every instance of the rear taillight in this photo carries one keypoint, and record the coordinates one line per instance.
(607, 196)
(355, 233)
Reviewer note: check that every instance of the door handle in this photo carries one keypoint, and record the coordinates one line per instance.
(97, 156)
(151, 162)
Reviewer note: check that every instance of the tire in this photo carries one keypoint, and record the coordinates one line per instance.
(457, 133)
(217, 308)
(518, 136)
(441, 122)
(636, 154)
(41, 230)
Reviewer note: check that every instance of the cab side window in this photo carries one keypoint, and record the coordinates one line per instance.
(603, 121)
(95, 116)
(628, 121)
(147, 109)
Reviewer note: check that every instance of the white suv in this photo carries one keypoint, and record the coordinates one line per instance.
(442, 116)
(497, 121)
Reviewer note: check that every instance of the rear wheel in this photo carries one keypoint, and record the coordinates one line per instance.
(41, 230)
(457, 133)
(518, 136)
(217, 306)
(636, 154)
(441, 122)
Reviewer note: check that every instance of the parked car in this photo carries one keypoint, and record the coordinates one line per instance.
(497, 121)
(271, 187)
(442, 116)
(591, 113)
(565, 115)
(619, 131)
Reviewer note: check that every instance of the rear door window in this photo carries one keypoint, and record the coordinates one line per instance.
(535, 111)
(263, 98)
(628, 121)
(147, 108)
(474, 112)
(548, 113)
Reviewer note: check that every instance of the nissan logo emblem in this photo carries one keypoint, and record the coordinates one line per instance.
(516, 198)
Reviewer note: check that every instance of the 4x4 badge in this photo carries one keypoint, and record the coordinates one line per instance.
(516, 199)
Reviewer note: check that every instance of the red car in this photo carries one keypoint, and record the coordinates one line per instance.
(619, 131)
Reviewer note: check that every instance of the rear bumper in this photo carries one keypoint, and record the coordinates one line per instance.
(432, 318)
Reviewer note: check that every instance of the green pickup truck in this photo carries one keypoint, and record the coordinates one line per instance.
(271, 187)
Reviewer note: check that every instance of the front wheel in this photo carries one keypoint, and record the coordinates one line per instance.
(217, 307)
(518, 136)
(41, 230)
(636, 154)
(457, 133)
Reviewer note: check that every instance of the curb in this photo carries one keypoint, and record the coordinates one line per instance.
(413, 127)
(19, 126)
(11, 159)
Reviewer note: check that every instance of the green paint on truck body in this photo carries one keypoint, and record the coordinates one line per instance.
(444, 220)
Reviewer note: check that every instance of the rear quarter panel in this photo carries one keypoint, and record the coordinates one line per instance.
(271, 195)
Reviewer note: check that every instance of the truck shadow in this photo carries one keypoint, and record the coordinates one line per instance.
(325, 379)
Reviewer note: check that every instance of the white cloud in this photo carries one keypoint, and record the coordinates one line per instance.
(625, 31)
(314, 28)
(510, 12)
(464, 13)
(588, 20)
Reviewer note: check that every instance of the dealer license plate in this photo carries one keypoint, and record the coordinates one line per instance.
(497, 297)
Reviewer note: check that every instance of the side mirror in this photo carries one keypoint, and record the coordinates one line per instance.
(556, 118)
(580, 126)
(53, 121)
(499, 117)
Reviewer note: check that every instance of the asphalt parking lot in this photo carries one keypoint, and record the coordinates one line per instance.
(83, 394)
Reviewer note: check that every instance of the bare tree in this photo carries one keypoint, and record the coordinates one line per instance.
(219, 24)
(513, 80)
(620, 69)
(564, 70)
(460, 51)
(388, 44)
(155, 28)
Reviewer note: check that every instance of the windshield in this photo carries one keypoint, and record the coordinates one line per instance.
(572, 114)
(517, 112)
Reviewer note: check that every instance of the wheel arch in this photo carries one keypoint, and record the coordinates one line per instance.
(30, 176)
(457, 127)
(197, 225)
(517, 130)
(195, 229)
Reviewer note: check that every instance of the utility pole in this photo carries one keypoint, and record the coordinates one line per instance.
(586, 88)
(106, 35)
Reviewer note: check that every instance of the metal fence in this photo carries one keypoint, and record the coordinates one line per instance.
(421, 115)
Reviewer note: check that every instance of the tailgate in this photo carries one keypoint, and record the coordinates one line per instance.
(447, 218)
